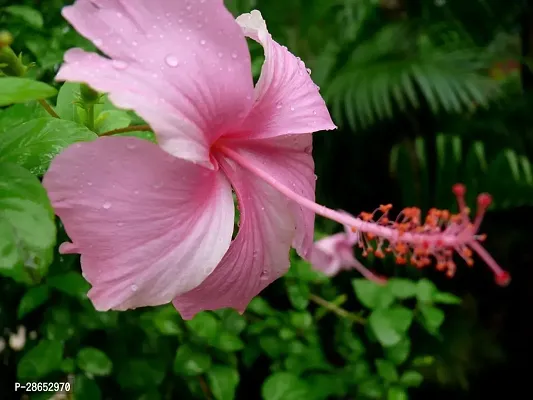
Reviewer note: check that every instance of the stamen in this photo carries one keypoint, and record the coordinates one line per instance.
(409, 238)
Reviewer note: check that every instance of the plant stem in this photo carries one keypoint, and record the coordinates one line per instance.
(341, 312)
(90, 117)
(133, 128)
(48, 108)
(205, 387)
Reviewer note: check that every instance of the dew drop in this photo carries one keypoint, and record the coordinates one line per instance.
(89, 183)
(131, 146)
(135, 192)
(292, 108)
(120, 224)
(97, 42)
(234, 55)
(134, 288)
(316, 177)
(202, 42)
(118, 64)
(134, 43)
(314, 112)
(220, 54)
(278, 106)
(171, 60)
(106, 205)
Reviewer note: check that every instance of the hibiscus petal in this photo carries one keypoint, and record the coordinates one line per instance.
(183, 66)
(258, 255)
(287, 100)
(148, 226)
(269, 224)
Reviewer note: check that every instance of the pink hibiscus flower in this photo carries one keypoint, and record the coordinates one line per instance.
(154, 223)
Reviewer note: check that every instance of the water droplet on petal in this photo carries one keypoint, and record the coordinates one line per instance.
(134, 288)
(120, 223)
(171, 60)
(292, 108)
(316, 177)
(106, 205)
(97, 42)
(278, 106)
(202, 42)
(234, 55)
(118, 64)
(314, 112)
(89, 183)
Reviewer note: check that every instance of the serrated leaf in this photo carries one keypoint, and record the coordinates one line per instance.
(191, 362)
(402, 288)
(43, 359)
(110, 120)
(371, 294)
(446, 298)
(32, 299)
(71, 283)
(390, 325)
(94, 361)
(35, 143)
(27, 227)
(223, 381)
(20, 90)
(387, 370)
(284, 386)
(412, 378)
(32, 16)
(205, 325)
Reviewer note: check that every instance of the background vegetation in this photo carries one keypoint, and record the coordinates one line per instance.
(426, 94)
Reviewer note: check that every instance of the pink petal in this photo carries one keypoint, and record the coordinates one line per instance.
(287, 100)
(334, 254)
(183, 66)
(269, 224)
(148, 226)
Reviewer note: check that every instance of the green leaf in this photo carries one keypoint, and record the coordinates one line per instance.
(67, 106)
(371, 294)
(145, 135)
(223, 381)
(387, 370)
(191, 362)
(35, 143)
(85, 388)
(33, 17)
(432, 318)
(425, 291)
(284, 386)
(412, 378)
(390, 325)
(446, 298)
(71, 283)
(147, 372)
(32, 299)
(43, 359)
(397, 393)
(399, 352)
(371, 388)
(298, 294)
(20, 90)
(227, 341)
(94, 361)
(19, 113)
(204, 325)
(27, 228)
(111, 120)
(402, 288)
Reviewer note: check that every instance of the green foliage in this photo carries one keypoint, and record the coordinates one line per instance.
(307, 336)
(20, 90)
(506, 174)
